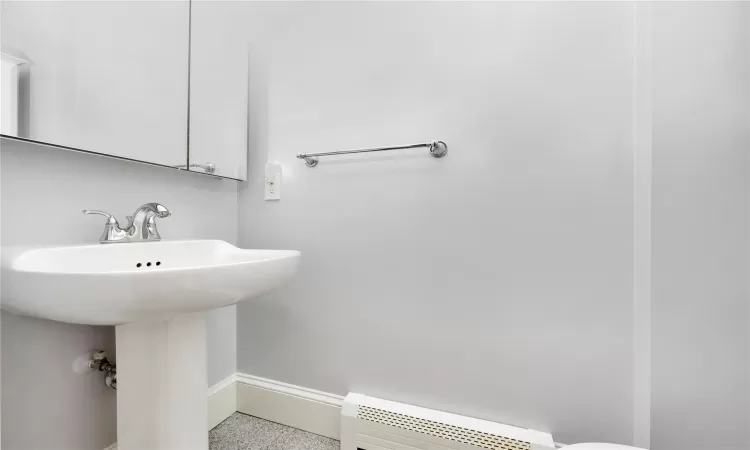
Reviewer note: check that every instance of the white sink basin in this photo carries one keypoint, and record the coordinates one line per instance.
(114, 284)
(154, 292)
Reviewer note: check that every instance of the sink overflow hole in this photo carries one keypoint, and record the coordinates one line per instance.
(148, 264)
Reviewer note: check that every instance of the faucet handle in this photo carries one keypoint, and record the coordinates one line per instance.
(110, 218)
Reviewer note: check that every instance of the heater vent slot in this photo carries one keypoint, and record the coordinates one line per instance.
(441, 430)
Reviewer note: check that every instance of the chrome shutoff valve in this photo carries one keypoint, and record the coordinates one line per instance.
(100, 362)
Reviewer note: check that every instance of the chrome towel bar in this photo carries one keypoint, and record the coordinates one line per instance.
(438, 149)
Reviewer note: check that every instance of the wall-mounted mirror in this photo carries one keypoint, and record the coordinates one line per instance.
(218, 92)
(113, 78)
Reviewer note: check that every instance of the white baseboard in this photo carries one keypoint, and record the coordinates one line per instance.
(295, 406)
(222, 400)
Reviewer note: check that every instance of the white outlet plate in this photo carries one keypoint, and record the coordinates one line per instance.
(272, 190)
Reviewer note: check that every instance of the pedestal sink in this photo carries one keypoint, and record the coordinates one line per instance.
(155, 294)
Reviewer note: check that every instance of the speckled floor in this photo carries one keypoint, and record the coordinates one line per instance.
(243, 432)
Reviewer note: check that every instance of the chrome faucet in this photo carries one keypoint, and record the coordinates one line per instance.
(141, 225)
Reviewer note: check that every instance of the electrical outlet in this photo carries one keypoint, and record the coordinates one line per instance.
(273, 181)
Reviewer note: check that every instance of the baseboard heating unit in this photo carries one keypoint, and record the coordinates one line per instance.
(369, 423)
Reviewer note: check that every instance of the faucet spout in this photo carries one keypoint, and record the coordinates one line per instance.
(154, 208)
(142, 226)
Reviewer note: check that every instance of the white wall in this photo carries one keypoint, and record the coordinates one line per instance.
(495, 282)
(701, 226)
(44, 405)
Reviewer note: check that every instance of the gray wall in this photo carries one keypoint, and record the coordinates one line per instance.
(701, 226)
(496, 282)
(44, 404)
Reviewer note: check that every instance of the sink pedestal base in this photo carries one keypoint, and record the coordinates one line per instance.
(161, 384)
